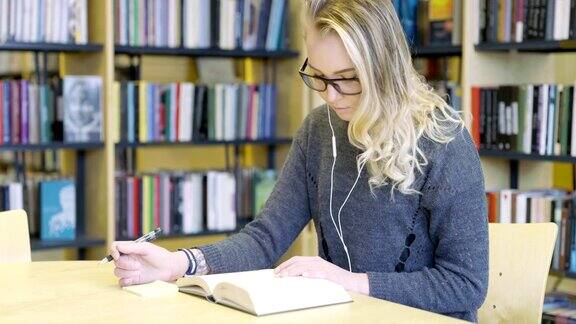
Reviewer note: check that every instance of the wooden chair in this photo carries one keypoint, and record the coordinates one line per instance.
(14, 237)
(520, 256)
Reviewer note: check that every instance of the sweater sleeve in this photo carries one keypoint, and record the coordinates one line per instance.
(454, 200)
(263, 241)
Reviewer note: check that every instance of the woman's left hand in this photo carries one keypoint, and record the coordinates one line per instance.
(316, 267)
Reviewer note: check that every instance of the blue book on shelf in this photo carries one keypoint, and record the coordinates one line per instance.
(274, 26)
(57, 210)
(130, 114)
(6, 117)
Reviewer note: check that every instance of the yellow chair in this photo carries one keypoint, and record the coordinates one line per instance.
(14, 237)
(520, 256)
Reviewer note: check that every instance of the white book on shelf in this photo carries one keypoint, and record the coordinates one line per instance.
(35, 29)
(543, 112)
(218, 104)
(197, 202)
(121, 23)
(48, 26)
(83, 20)
(4, 20)
(186, 23)
(64, 22)
(529, 100)
(28, 21)
(206, 23)
(561, 19)
(164, 183)
(56, 21)
(183, 113)
(149, 26)
(159, 26)
(505, 206)
(212, 201)
(171, 23)
(16, 196)
(521, 206)
(231, 205)
(187, 222)
(12, 20)
(20, 21)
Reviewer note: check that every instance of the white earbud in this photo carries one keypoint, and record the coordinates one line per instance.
(339, 226)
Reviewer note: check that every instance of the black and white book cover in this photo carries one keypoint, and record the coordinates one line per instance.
(82, 108)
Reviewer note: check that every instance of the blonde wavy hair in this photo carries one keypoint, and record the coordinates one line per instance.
(397, 106)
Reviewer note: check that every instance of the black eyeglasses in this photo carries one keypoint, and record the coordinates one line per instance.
(345, 86)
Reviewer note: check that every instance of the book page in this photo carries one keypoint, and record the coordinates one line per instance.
(270, 294)
(209, 282)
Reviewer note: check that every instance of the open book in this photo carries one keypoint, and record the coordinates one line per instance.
(261, 292)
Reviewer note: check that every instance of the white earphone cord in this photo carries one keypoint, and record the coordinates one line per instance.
(339, 226)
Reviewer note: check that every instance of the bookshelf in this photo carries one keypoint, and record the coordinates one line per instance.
(210, 52)
(271, 141)
(529, 62)
(530, 46)
(436, 51)
(50, 47)
(81, 242)
(166, 65)
(52, 146)
(77, 158)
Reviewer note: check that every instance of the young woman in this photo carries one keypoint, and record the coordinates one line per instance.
(385, 169)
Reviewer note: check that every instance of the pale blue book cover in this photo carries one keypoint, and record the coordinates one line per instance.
(58, 210)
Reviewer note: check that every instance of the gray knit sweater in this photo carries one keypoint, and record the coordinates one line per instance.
(444, 269)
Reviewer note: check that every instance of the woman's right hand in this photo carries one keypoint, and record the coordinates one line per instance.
(139, 263)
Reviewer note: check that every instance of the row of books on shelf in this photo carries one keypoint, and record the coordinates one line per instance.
(49, 201)
(506, 21)
(50, 21)
(68, 109)
(540, 206)
(180, 112)
(431, 22)
(530, 118)
(225, 24)
(183, 203)
(559, 307)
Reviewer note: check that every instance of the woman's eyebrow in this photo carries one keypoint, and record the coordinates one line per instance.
(337, 72)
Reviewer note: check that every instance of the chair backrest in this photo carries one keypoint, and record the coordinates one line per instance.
(14, 237)
(520, 257)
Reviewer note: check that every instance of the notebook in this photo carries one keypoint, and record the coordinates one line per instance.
(260, 292)
(154, 289)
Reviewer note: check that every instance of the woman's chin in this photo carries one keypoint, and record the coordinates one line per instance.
(344, 114)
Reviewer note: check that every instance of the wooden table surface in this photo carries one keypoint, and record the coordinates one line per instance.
(85, 292)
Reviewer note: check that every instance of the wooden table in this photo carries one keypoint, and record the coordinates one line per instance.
(84, 292)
